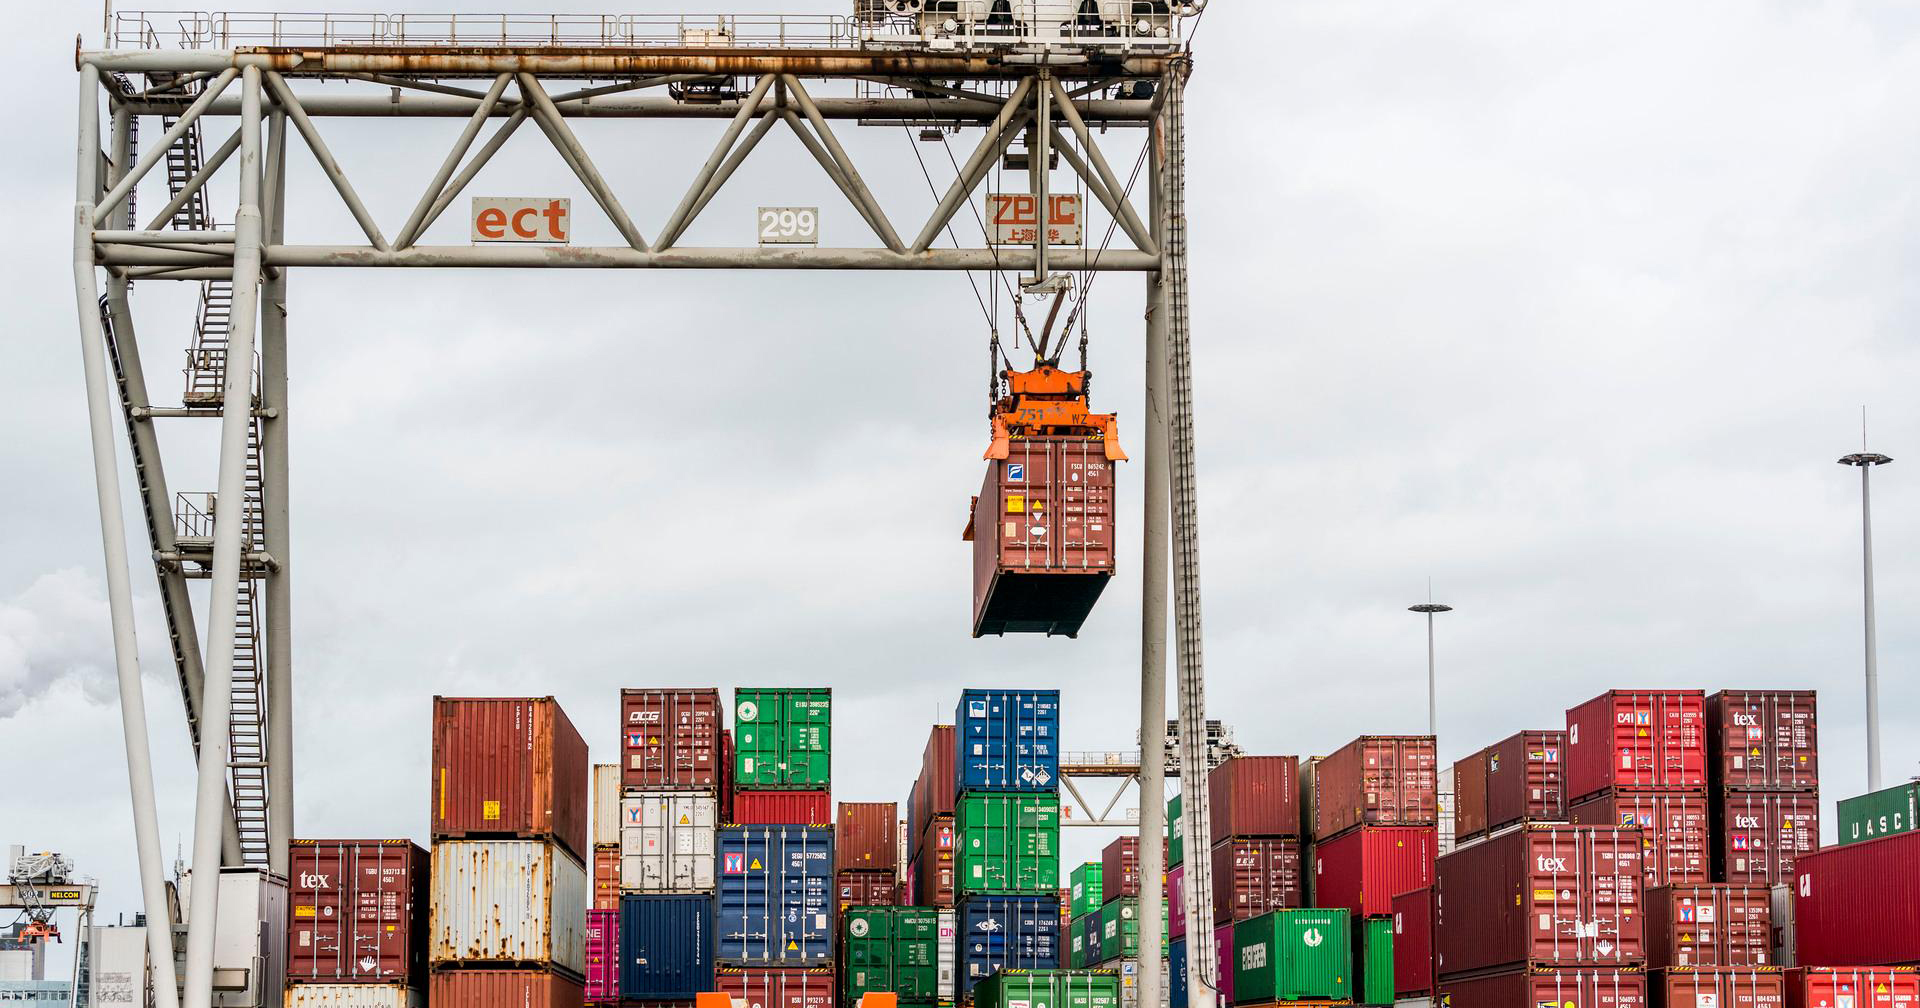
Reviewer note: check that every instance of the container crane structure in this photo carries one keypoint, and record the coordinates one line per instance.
(1058, 75)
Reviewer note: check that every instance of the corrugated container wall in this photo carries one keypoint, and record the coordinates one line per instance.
(933, 867)
(671, 738)
(334, 995)
(508, 901)
(1761, 834)
(1470, 796)
(1560, 988)
(1006, 932)
(1709, 925)
(1009, 842)
(1120, 867)
(1373, 952)
(603, 955)
(606, 878)
(1764, 740)
(1255, 877)
(1042, 533)
(1007, 740)
(1413, 943)
(864, 837)
(1293, 955)
(504, 988)
(1364, 869)
(865, 888)
(776, 988)
(1843, 987)
(508, 767)
(357, 911)
(933, 791)
(1084, 988)
(1859, 905)
(1382, 780)
(1542, 896)
(782, 739)
(1255, 796)
(1637, 739)
(1526, 779)
(891, 949)
(1176, 842)
(776, 900)
(1674, 827)
(1088, 888)
(606, 804)
(666, 841)
(782, 808)
(666, 947)
(1717, 988)
(1881, 813)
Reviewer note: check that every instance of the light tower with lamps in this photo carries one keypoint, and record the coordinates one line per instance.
(1433, 706)
(1865, 461)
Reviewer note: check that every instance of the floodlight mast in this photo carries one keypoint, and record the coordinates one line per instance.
(1063, 89)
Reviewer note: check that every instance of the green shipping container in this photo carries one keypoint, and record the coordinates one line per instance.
(890, 949)
(1373, 960)
(1174, 846)
(1077, 941)
(1009, 842)
(1882, 813)
(1293, 955)
(1081, 988)
(782, 738)
(1120, 929)
(1086, 889)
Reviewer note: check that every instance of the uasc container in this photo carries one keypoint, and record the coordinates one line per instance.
(1007, 740)
(1364, 869)
(504, 988)
(1526, 779)
(1674, 829)
(1859, 905)
(1009, 842)
(508, 767)
(1637, 739)
(1846, 987)
(1413, 943)
(508, 902)
(776, 900)
(603, 956)
(1764, 740)
(865, 837)
(1042, 534)
(1688, 987)
(1720, 926)
(671, 738)
(1035, 988)
(1540, 896)
(1254, 796)
(666, 947)
(357, 911)
(1380, 780)
(1252, 877)
(1881, 813)
(782, 739)
(1560, 988)
(1006, 933)
(1762, 833)
(667, 841)
(776, 988)
(1293, 955)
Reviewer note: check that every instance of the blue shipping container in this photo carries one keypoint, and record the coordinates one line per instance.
(1008, 740)
(1177, 973)
(666, 946)
(1007, 932)
(776, 898)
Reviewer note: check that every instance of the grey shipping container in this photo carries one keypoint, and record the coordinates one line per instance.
(508, 902)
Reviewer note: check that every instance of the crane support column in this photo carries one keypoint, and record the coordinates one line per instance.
(1153, 645)
(274, 511)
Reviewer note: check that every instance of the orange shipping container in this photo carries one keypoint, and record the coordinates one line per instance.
(509, 767)
(866, 837)
(504, 988)
(606, 878)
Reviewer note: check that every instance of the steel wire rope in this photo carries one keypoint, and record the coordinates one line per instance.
(1112, 225)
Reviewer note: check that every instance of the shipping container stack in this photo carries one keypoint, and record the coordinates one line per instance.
(509, 890)
(1639, 758)
(1764, 783)
(1007, 833)
(357, 924)
(1108, 937)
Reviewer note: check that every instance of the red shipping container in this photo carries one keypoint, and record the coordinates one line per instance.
(1764, 740)
(603, 956)
(1719, 926)
(1540, 896)
(357, 911)
(776, 988)
(606, 878)
(934, 790)
(1042, 533)
(1253, 877)
(1558, 988)
(670, 739)
(782, 808)
(1255, 796)
(1383, 780)
(866, 837)
(1674, 827)
(1470, 797)
(1413, 943)
(504, 988)
(933, 868)
(1685, 987)
(866, 888)
(1843, 987)
(1643, 739)
(1859, 905)
(509, 767)
(1120, 868)
(1364, 869)
(1762, 833)
(1176, 902)
(1526, 779)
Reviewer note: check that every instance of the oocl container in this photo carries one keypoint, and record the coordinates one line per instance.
(666, 947)
(891, 949)
(357, 911)
(331, 995)
(1526, 779)
(1373, 951)
(865, 837)
(603, 956)
(1637, 739)
(1003, 933)
(671, 738)
(1561, 988)
(776, 988)
(1381, 780)
(776, 808)
(1364, 869)
(1088, 893)
(1254, 796)
(508, 767)
(933, 866)
(1413, 943)
(1540, 896)
(1844, 987)
(508, 902)
(1293, 955)
(865, 888)
(1764, 740)
(504, 988)
(776, 900)
(1007, 740)
(1881, 813)
(1688, 987)
(1042, 534)
(1674, 829)
(1718, 926)
(1255, 877)
(934, 790)
(782, 739)
(1762, 833)
(1020, 988)
(606, 804)
(1859, 905)
(666, 841)
(1009, 842)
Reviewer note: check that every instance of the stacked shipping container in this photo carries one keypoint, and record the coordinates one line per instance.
(1764, 767)
(357, 921)
(1639, 759)
(1006, 771)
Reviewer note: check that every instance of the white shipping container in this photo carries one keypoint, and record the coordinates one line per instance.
(667, 841)
(353, 995)
(500, 901)
(606, 804)
(946, 960)
(118, 967)
(1129, 971)
(249, 936)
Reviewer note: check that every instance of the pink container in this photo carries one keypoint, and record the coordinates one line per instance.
(1223, 961)
(603, 956)
(1176, 915)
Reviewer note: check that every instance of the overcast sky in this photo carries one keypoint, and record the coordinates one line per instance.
(1567, 307)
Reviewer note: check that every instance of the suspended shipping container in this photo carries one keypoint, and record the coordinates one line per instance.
(1688, 987)
(1761, 834)
(1413, 972)
(933, 867)
(1381, 780)
(776, 900)
(1560, 988)
(1847, 987)
(358, 911)
(603, 956)
(606, 804)
(1364, 869)
(1716, 926)
(782, 739)
(934, 790)
(508, 902)
(1009, 842)
(1006, 932)
(504, 988)
(865, 888)
(667, 841)
(1859, 905)
(782, 808)
(777, 988)
(1049, 988)
(1254, 796)
(309, 995)
(1086, 887)
(1007, 740)
(671, 738)
(1042, 534)
(865, 837)
(1540, 896)
(1644, 739)
(508, 767)
(1881, 813)
(1675, 830)
(666, 947)
(1293, 955)
(1255, 877)
(891, 949)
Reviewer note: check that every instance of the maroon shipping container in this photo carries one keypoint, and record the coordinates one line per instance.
(357, 911)
(509, 767)
(1526, 779)
(1637, 739)
(1763, 740)
(1362, 870)
(1685, 987)
(776, 988)
(606, 878)
(933, 791)
(1761, 833)
(866, 888)
(1120, 868)
(782, 808)
(603, 956)
(670, 739)
(1844, 987)
(1413, 972)
(1385, 780)
(1470, 797)
(1223, 960)
(1255, 796)
(1252, 877)
(1859, 905)
(933, 868)
(866, 837)
(1540, 896)
(1549, 988)
(504, 988)
(1674, 827)
(726, 776)
(1042, 533)
(1176, 895)
(1718, 926)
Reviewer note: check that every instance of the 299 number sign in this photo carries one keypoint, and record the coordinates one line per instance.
(789, 225)
(1014, 219)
